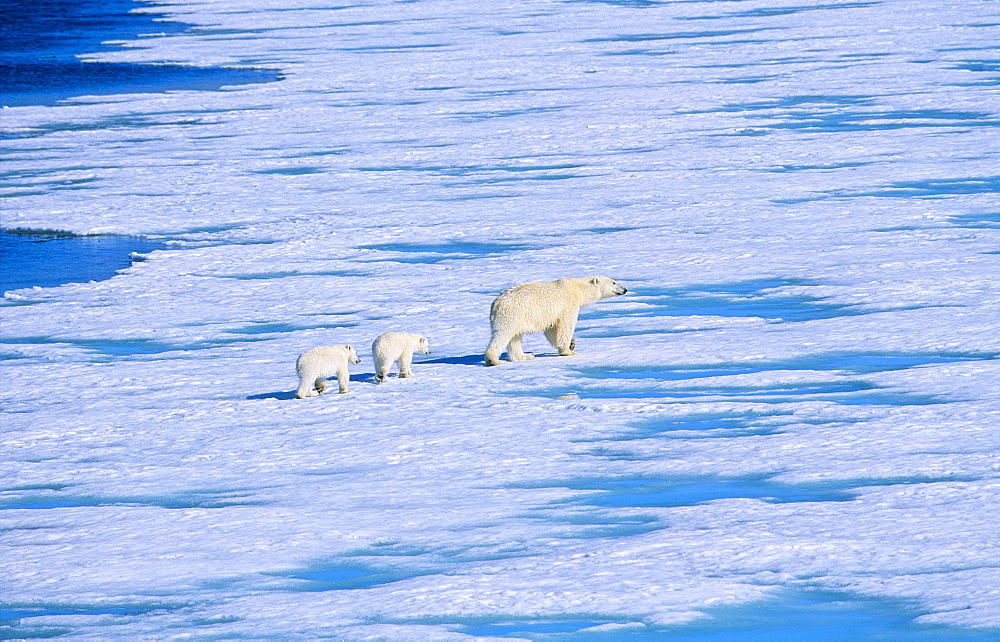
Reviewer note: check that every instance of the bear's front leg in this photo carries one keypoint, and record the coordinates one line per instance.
(561, 337)
(343, 379)
(405, 360)
(320, 385)
(514, 351)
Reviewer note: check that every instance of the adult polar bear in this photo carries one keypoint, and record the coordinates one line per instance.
(544, 306)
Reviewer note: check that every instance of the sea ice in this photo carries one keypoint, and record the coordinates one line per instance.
(802, 199)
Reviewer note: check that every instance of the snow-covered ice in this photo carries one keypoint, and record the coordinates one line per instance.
(798, 397)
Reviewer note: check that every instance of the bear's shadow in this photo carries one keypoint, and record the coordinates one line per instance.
(467, 360)
(369, 377)
(274, 395)
(476, 359)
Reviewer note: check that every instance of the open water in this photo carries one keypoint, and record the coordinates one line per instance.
(40, 41)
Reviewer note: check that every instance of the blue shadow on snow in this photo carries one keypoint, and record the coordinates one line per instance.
(331, 387)
(790, 616)
(756, 298)
(467, 360)
(933, 187)
(130, 347)
(844, 392)
(832, 113)
(36, 498)
(987, 220)
(264, 327)
(283, 395)
(711, 425)
(341, 576)
(852, 362)
(690, 490)
(599, 524)
(14, 614)
(437, 252)
(642, 382)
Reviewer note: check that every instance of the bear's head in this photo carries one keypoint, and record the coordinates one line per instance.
(425, 346)
(352, 356)
(607, 287)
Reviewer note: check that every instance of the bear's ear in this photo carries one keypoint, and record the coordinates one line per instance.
(595, 280)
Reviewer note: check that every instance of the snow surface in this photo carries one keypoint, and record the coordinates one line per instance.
(798, 393)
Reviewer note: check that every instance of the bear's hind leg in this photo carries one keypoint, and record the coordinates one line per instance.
(305, 389)
(497, 343)
(514, 351)
(320, 385)
(381, 368)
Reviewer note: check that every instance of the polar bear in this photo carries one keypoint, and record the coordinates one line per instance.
(393, 346)
(316, 364)
(550, 306)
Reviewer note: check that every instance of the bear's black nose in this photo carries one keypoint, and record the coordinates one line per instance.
(624, 290)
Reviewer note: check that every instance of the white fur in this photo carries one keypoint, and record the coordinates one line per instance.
(316, 364)
(550, 306)
(397, 346)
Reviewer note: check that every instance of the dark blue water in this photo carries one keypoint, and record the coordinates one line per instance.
(39, 40)
(51, 259)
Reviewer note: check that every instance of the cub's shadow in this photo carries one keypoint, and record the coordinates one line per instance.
(331, 387)
(369, 377)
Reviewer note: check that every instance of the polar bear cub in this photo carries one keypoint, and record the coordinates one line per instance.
(397, 346)
(316, 364)
(551, 307)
